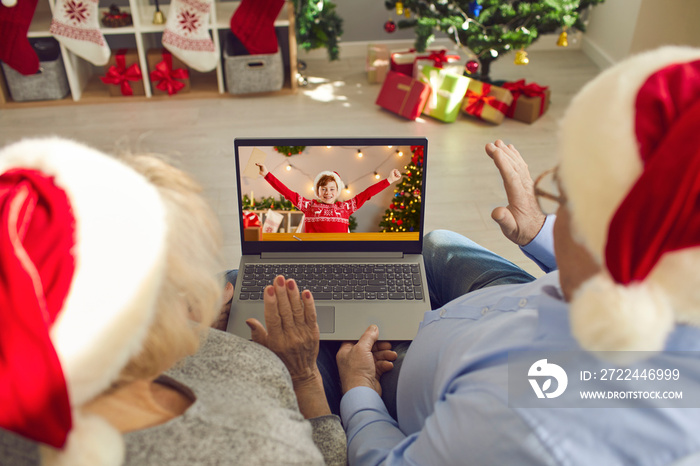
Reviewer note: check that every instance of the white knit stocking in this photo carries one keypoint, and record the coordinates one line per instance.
(187, 36)
(75, 25)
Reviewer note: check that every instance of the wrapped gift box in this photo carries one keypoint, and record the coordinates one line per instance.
(252, 234)
(123, 74)
(377, 63)
(452, 63)
(530, 101)
(447, 92)
(486, 101)
(403, 95)
(49, 83)
(402, 62)
(252, 231)
(168, 74)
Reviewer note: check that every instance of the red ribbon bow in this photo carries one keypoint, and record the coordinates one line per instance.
(518, 88)
(439, 58)
(167, 77)
(250, 220)
(477, 100)
(120, 75)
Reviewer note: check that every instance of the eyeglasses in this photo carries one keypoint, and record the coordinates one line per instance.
(548, 191)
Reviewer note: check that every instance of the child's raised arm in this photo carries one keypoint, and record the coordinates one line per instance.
(263, 169)
(394, 176)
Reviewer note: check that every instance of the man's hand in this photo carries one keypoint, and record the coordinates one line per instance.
(362, 364)
(263, 169)
(394, 176)
(222, 321)
(522, 219)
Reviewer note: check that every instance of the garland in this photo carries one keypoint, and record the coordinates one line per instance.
(290, 150)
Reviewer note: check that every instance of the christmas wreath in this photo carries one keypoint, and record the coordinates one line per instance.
(290, 150)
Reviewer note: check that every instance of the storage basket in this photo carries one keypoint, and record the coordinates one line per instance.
(246, 74)
(49, 83)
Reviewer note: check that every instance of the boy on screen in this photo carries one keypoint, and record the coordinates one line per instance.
(326, 214)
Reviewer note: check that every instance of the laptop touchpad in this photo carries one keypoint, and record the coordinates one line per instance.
(325, 316)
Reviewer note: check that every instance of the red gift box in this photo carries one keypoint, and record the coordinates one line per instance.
(402, 62)
(403, 95)
(530, 101)
(252, 230)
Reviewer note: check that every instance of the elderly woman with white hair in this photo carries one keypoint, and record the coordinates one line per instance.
(108, 286)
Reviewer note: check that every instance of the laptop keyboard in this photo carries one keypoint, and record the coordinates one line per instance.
(359, 282)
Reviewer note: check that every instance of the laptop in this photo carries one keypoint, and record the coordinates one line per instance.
(363, 269)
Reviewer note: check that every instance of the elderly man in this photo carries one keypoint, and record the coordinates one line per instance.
(625, 242)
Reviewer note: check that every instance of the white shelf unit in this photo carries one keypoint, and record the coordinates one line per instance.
(83, 77)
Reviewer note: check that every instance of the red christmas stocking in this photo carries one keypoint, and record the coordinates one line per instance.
(253, 23)
(15, 49)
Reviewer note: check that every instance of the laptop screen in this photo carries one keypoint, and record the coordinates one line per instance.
(331, 194)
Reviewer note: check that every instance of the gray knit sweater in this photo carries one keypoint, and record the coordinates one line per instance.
(245, 413)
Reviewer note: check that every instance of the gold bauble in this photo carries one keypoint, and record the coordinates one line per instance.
(399, 8)
(563, 40)
(521, 58)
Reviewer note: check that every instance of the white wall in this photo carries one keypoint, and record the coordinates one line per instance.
(619, 28)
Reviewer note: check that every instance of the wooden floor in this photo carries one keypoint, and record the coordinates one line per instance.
(463, 186)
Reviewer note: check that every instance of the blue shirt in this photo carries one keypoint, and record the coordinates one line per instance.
(452, 396)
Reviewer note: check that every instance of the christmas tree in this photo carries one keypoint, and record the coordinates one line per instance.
(404, 211)
(490, 28)
(318, 25)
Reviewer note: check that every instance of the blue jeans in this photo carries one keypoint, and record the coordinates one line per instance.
(455, 265)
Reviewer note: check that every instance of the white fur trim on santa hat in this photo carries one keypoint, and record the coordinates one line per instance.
(338, 181)
(606, 316)
(92, 441)
(120, 229)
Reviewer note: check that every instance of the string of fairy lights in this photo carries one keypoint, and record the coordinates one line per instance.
(375, 173)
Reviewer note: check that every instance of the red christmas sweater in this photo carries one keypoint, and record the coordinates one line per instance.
(326, 218)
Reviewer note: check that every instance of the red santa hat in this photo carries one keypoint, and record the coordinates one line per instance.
(630, 166)
(82, 254)
(335, 176)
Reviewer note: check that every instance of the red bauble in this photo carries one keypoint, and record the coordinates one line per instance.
(472, 66)
(390, 26)
(399, 222)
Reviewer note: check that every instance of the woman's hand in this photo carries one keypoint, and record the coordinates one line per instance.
(293, 335)
(292, 331)
(263, 169)
(394, 176)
